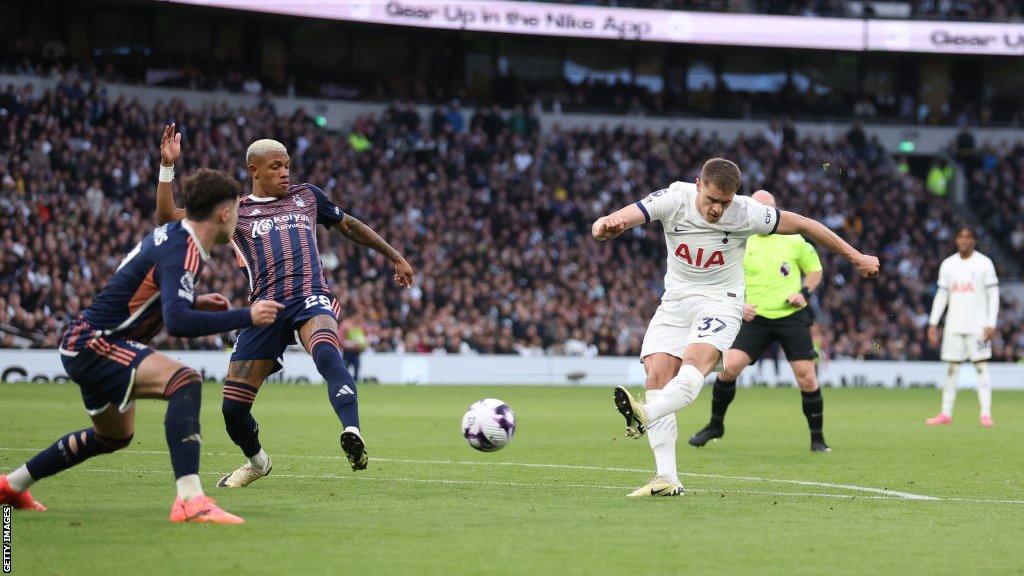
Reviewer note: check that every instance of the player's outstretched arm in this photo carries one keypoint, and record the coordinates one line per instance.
(792, 223)
(184, 321)
(353, 229)
(189, 315)
(614, 224)
(170, 151)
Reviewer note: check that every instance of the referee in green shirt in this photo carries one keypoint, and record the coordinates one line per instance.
(775, 311)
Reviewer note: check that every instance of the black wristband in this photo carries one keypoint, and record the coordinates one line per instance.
(806, 292)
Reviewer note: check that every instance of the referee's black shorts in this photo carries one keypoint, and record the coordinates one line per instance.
(793, 332)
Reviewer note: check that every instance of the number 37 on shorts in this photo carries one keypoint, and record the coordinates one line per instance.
(709, 325)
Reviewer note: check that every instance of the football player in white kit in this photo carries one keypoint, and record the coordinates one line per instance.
(706, 226)
(968, 284)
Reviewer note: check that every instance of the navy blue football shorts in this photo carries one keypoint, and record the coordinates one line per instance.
(270, 342)
(103, 366)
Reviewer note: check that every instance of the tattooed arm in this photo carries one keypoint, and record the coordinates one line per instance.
(362, 234)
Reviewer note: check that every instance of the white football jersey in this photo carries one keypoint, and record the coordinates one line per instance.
(703, 258)
(967, 281)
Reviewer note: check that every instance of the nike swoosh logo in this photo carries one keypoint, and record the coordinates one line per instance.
(678, 229)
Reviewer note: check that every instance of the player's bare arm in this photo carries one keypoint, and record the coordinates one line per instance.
(792, 223)
(611, 226)
(170, 151)
(353, 229)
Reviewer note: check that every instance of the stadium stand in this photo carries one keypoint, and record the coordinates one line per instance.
(797, 96)
(494, 215)
(995, 180)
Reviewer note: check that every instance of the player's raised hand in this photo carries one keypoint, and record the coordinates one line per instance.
(867, 265)
(403, 273)
(264, 312)
(749, 311)
(212, 303)
(608, 227)
(170, 145)
(933, 336)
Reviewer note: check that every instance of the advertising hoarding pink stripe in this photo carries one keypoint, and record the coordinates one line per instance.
(576, 21)
(658, 25)
(946, 37)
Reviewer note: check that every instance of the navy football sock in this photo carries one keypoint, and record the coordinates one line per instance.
(184, 394)
(341, 388)
(71, 450)
(241, 426)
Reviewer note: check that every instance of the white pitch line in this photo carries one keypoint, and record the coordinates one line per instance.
(506, 484)
(885, 494)
(851, 487)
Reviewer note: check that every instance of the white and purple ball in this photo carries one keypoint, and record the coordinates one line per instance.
(489, 425)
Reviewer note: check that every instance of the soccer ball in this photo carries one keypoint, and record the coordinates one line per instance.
(489, 425)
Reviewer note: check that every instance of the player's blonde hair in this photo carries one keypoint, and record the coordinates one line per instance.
(261, 147)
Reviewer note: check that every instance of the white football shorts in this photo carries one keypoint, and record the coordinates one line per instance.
(965, 348)
(677, 323)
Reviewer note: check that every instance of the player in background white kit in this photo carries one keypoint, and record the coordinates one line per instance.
(968, 284)
(706, 227)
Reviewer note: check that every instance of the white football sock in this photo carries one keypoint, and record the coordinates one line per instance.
(662, 435)
(679, 393)
(189, 487)
(949, 389)
(260, 461)
(20, 479)
(353, 429)
(984, 389)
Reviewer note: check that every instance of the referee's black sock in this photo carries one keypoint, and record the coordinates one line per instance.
(723, 393)
(814, 410)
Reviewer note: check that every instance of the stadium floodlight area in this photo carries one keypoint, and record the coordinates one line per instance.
(672, 26)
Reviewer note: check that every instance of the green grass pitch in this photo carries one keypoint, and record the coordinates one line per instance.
(895, 497)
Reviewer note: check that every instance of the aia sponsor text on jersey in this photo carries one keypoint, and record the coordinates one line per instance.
(700, 258)
(962, 288)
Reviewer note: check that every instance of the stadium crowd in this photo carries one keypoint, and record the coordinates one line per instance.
(493, 214)
(797, 97)
(996, 190)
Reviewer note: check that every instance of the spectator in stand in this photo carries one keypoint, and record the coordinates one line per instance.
(995, 190)
(939, 177)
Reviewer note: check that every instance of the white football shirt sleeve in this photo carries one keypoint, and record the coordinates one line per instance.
(990, 274)
(943, 281)
(941, 297)
(992, 293)
(761, 220)
(659, 205)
